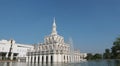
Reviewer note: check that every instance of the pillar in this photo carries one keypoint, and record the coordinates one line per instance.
(7, 54)
(73, 57)
(40, 58)
(54, 58)
(11, 57)
(68, 59)
(79, 58)
(29, 60)
(49, 58)
(59, 58)
(36, 59)
(32, 59)
(65, 59)
(44, 58)
(62, 58)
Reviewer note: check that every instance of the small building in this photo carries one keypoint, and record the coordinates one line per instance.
(9, 50)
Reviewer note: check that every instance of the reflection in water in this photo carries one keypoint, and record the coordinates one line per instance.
(117, 62)
(44, 64)
(7, 64)
(88, 63)
(109, 62)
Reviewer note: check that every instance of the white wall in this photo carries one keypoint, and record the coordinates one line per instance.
(21, 49)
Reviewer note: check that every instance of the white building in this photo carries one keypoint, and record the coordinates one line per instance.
(54, 49)
(11, 50)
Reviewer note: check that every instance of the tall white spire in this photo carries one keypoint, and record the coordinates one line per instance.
(54, 32)
(54, 24)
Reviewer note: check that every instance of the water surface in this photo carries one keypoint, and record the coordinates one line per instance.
(87, 63)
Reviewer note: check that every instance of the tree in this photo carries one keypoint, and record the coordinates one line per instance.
(116, 49)
(97, 56)
(89, 56)
(93, 57)
(107, 54)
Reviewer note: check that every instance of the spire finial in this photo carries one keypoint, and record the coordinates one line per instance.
(54, 24)
(54, 32)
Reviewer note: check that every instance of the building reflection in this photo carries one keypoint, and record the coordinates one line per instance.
(90, 63)
(7, 64)
(46, 64)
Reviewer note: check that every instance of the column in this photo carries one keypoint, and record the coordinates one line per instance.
(7, 55)
(65, 58)
(72, 58)
(68, 59)
(29, 59)
(40, 58)
(36, 58)
(49, 58)
(32, 59)
(76, 58)
(79, 58)
(44, 58)
(54, 58)
(59, 58)
(62, 58)
(11, 57)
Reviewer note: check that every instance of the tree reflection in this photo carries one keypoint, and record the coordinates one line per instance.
(109, 62)
(117, 62)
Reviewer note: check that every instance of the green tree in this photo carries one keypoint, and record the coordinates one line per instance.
(93, 57)
(97, 56)
(107, 54)
(89, 56)
(116, 49)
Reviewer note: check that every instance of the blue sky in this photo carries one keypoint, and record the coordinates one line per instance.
(92, 24)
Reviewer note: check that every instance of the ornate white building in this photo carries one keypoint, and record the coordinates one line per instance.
(54, 49)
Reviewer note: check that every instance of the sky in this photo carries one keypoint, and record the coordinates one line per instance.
(93, 25)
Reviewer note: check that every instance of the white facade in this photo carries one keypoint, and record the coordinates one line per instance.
(11, 50)
(54, 49)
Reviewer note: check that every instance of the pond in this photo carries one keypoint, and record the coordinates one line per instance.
(86, 63)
